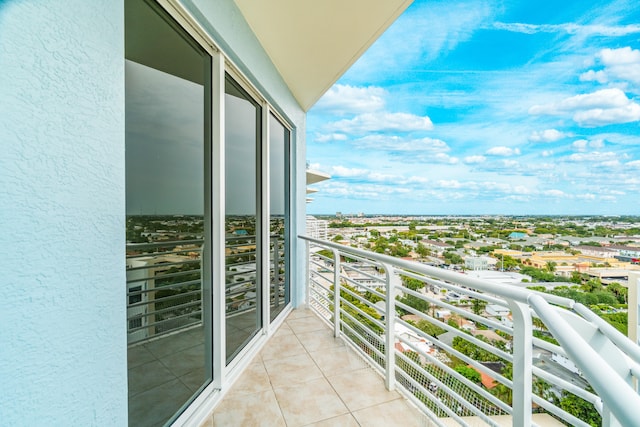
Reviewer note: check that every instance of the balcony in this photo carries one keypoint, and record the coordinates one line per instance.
(329, 364)
(493, 355)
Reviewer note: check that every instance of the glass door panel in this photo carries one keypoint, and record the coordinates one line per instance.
(279, 293)
(242, 204)
(168, 272)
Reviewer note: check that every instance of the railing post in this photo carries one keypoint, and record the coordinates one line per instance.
(389, 321)
(307, 245)
(336, 293)
(522, 361)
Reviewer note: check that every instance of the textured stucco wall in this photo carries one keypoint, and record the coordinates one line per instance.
(224, 22)
(62, 312)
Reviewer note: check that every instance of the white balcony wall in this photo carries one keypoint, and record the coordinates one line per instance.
(63, 356)
(62, 341)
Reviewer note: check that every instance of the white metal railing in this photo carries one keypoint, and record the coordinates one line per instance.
(542, 354)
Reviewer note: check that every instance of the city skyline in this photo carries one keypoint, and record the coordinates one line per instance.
(487, 108)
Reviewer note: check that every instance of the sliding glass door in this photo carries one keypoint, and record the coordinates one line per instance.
(174, 199)
(168, 86)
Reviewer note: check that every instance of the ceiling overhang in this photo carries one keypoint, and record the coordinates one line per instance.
(313, 42)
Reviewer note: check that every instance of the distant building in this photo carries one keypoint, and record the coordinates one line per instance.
(496, 310)
(477, 262)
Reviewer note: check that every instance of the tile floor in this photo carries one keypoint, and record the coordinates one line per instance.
(165, 373)
(305, 377)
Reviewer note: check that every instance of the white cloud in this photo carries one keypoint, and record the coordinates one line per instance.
(596, 143)
(510, 164)
(583, 144)
(548, 135)
(444, 158)
(547, 153)
(331, 137)
(594, 157)
(569, 28)
(341, 171)
(633, 164)
(450, 184)
(610, 164)
(554, 193)
(594, 76)
(621, 64)
(474, 159)
(586, 196)
(397, 143)
(381, 122)
(503, 151)
(602, 107)
(602, 117)
(580, 145)
(341, 99)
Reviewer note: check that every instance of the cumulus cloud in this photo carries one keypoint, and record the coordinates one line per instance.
(633, 164)
(621, 64)
(600, 108)
(474, 159)
(382, 122)
(547, 153)
(502, 151)
(548, 135)
(342, 99)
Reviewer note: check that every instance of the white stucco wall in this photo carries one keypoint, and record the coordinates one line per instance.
(62, 312)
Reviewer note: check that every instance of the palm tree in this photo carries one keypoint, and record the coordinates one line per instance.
(551, 266)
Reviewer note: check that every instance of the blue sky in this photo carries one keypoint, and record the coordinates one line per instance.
(487, 107)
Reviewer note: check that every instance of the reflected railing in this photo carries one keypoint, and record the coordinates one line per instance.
(467, 349)
(164, 283)
(164, 287)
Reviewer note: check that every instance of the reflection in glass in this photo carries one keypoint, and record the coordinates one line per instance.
(242, 263)
(279, 216)
(167, 274)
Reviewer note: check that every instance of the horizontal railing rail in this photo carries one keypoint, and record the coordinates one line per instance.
(463, 347)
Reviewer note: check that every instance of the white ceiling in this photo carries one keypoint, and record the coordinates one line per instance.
(313, 42)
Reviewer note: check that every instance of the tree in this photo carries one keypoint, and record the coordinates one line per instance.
(580, 408)
(469, 373)
(415, 302)
(411, 283)
(551, 266)
(478, 305)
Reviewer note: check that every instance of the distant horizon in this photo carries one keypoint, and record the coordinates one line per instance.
(485, 106)
(365, 215)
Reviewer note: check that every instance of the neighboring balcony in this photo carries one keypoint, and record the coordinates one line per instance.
(471, 352)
